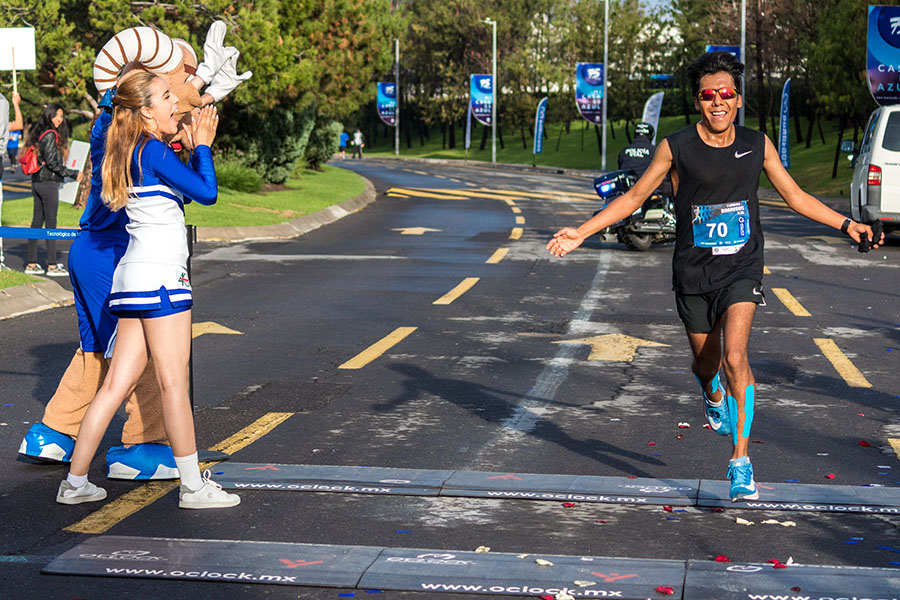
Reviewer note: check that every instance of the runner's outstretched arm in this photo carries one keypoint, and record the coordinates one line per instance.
(568, 238)
(805, 204)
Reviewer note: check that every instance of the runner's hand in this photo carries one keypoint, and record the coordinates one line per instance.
(857, 230)
(564, 241)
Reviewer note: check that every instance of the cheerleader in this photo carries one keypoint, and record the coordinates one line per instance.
(151, 292)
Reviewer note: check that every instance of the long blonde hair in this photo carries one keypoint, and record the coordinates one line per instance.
(127, 130)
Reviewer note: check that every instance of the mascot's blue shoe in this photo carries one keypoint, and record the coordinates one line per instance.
(141, 461)
(44, 443)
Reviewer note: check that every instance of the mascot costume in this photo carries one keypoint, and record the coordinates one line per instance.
(144, 453)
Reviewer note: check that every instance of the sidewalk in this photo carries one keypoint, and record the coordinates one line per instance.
(34, 297)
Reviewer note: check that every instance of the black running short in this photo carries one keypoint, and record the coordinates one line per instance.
(701, 312)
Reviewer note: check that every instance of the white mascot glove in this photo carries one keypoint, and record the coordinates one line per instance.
(214, 52)
(227, 79)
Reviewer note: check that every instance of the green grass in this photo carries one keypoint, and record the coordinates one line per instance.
(311, 192)
(13, 278)
(811, 168)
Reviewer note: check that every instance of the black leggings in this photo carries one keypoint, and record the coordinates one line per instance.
(46, 205)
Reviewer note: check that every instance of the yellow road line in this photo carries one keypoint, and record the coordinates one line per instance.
(516, 233)
(420, 172)
(394, 195)
(520, 220)
(841, 363)
(790, 302)
(458, 291)
(766, 270)
(497, 256)
(126, 505)
(550, 195)
(378, 348)
(423, 194)
(480, 194)
(516, 210)
(895, 444)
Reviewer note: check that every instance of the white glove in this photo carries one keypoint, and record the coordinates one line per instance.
(227, 79)
(214, 52)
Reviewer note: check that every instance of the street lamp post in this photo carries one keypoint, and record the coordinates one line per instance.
(397, 108)
(605, 79)
(494, 87)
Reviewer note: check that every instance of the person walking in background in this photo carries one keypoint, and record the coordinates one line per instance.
(358, 143)
(50, 137)
(5, 127)
(12, 147)
(151, 292)
(342, 142)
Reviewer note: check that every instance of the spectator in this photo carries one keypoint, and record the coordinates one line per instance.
(12, 147)
(50, 137)
(5, 126)
(342, 141)
(359, 143)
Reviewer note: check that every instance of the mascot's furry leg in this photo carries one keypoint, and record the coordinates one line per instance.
(144, 453)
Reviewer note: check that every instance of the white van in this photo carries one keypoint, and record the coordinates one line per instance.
(875, 188)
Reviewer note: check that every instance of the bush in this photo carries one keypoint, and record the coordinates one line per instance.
(270, 143)
(234, 175)
(324, 142)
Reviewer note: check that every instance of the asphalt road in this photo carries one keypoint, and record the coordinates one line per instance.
(482, 382)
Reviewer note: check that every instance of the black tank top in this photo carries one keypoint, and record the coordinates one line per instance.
(715, 176)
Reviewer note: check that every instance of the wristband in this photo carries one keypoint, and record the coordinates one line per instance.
(845, 225)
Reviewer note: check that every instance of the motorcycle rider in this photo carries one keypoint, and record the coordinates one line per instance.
(637, 155)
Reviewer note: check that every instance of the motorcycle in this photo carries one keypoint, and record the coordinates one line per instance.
(652, 223)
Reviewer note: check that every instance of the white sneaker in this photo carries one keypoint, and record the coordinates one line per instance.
(211, 495)
(69, 494)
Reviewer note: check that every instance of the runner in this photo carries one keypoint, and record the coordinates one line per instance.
(718, 260)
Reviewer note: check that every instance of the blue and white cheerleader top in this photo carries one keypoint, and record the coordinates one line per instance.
(155, 262)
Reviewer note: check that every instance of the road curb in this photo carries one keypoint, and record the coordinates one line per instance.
(34, 297)
(290, 229)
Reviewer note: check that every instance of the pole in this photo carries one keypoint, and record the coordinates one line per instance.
(495, 85)
(605, 79)
(743, 57)
(397, 110)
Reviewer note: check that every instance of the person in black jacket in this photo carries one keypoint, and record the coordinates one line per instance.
(50, 137)
(637, 155)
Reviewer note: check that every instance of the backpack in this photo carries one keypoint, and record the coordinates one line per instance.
(29, 158)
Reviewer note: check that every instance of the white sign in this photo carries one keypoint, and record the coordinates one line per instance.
(78, 153)
(20, 39)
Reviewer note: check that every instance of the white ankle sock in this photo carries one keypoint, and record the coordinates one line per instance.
(189, 471)
(76, 480)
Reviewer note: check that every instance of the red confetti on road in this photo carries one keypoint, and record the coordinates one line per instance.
(864, 443)
(829, 476)
(568, 504)
(722, 558)
(651, 443)
(663, 589)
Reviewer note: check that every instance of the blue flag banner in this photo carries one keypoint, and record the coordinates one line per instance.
(736, 50)
(784, 132)
(481, 97)
(468, 129)
(589, 89)
(883, 54)
(387, 102)
(539, 126)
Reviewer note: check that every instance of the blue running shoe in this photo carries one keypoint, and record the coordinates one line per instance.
(740, 472)
(46, 444)
(141, 462)
(716, 413)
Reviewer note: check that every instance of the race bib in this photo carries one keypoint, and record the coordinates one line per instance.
(723, 228)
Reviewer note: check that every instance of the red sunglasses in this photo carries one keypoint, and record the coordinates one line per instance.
(725, 93)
